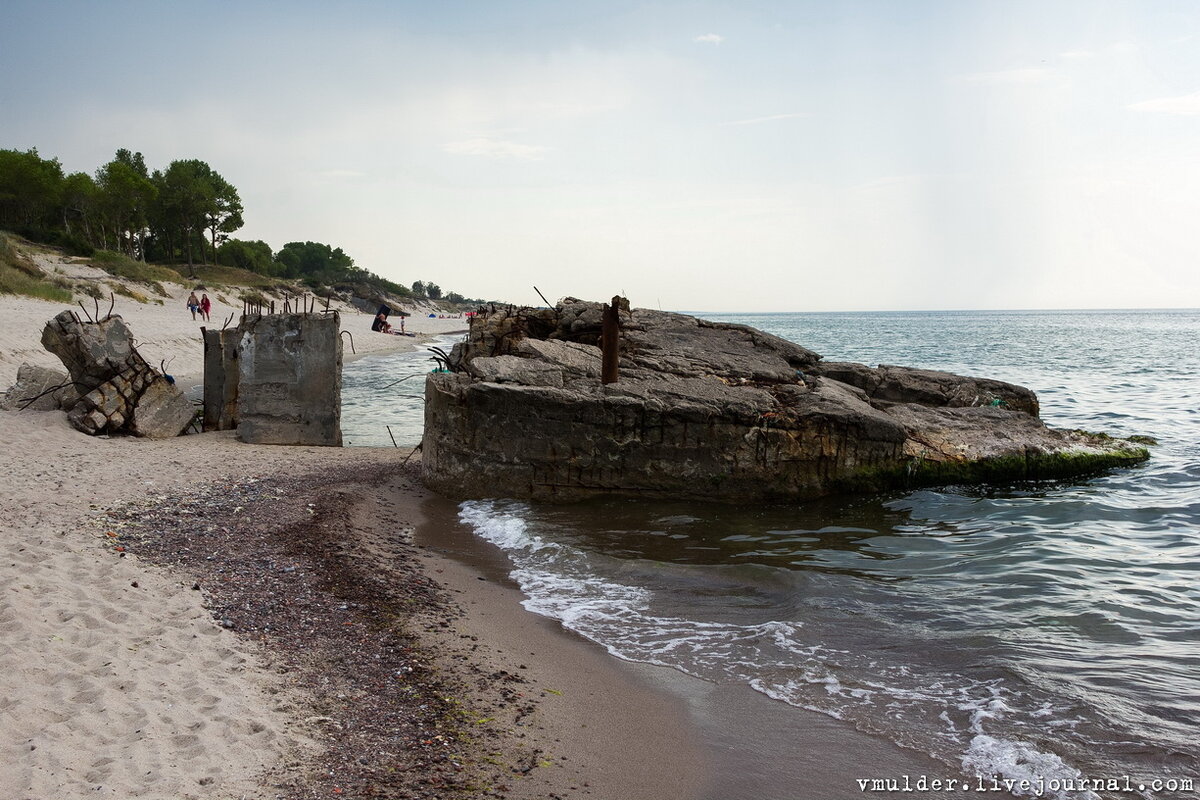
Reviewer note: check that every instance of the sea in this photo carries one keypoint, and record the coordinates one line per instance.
(1045, 632)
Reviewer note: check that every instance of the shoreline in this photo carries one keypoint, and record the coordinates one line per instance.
(605, 724)
(730, 741)
(205, 538)
(227, 620)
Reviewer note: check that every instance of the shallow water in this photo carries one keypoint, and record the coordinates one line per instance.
(388, 391)
(1044, 630)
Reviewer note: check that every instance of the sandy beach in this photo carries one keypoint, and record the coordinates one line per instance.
(202, 618)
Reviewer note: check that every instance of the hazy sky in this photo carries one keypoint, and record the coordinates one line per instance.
(713, 156)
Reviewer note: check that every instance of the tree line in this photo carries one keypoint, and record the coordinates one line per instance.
(174, 215)
(184, 213)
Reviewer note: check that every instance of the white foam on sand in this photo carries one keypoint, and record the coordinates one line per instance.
(565, 583)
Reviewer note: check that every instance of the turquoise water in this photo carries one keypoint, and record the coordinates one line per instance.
(1046, 630)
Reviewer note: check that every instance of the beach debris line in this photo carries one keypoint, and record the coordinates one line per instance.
(402, 705)
(709, 410)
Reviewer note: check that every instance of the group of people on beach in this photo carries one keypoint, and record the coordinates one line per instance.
(203, 305)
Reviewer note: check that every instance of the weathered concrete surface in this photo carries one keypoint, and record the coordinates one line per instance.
(159, 410)
(290, 379)
(716, 411)
(890, 385)
(221, 379)
(112, 379)
(50, 387)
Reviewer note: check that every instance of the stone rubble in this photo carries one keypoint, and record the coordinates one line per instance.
(109, 388)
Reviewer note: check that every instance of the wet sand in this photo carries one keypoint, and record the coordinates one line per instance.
(707, 741)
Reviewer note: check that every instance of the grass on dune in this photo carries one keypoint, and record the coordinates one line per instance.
(19, 275)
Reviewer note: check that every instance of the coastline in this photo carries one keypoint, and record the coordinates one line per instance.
(124, 679)
(230, 620)
(606, 725)
(706, 741)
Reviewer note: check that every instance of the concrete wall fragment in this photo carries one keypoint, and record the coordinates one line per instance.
(290, 379)
(221, 379)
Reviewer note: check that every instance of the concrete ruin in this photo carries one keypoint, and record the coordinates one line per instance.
(718, 411)
(276, 378)
(221, 379)
(40, 389)
(114, 389)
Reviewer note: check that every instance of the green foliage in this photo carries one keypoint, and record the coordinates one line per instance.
(123, 266)
(133, 294)
(90, 289)
(254, 298)
(219, 275)
(314, 260)
(18, 275)
(185, 213)
(254, 256)
(121, 202)
(56, 237)
(194, 200)
(30, 188)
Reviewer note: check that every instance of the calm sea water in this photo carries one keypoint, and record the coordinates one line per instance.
(1045, 630)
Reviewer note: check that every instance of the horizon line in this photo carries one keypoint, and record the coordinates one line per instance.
(949, 310)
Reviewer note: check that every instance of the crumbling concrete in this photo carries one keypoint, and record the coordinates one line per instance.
(115, 382)
(39, 389)
(289, 379)
(717, 411)
(221, 379)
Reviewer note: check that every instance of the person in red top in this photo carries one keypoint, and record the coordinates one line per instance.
(205, 306)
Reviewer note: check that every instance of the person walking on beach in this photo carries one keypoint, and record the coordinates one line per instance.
(205, 307)
(193, 304)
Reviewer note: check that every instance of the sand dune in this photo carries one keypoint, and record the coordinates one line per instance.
(164, 328)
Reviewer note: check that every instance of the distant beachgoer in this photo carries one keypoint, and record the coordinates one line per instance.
(193, 304)
(380, 324)
(205, 307)
(401, 326)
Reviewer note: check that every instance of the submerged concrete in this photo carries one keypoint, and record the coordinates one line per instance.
(718, 411)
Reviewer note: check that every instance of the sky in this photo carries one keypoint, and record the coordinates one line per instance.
(708, 156)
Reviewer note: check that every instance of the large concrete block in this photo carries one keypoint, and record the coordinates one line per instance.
(162, 411)
(290, 379)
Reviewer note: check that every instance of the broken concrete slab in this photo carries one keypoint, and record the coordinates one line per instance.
(39, 389)
(714, 411)
(162, 411)
(112, 379)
